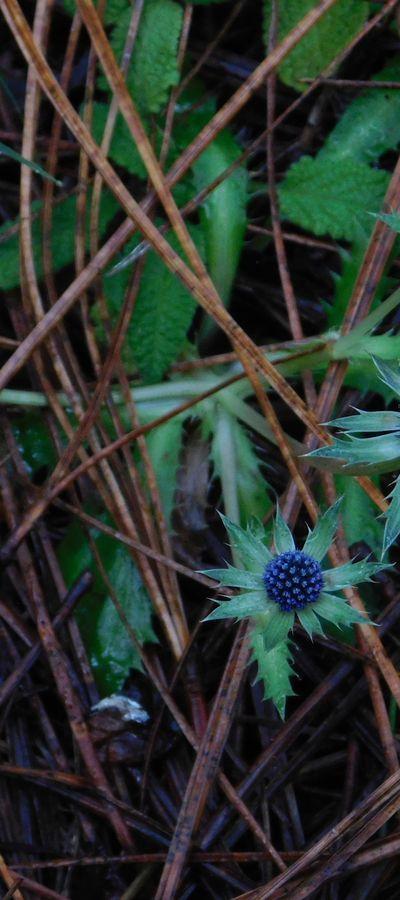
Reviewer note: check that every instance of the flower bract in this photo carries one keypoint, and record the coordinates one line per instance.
(281, 587)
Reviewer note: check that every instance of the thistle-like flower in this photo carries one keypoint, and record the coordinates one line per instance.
(283, 588)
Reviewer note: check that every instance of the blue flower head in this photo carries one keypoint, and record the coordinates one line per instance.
(285, 587)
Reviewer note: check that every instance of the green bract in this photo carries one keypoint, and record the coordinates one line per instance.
(271, 626)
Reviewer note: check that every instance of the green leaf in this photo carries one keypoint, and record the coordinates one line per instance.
(370, 126)
(164, 445)
(310, 622)
(223, 213)
(391, 219)
(154, 66)
(337, 611)
(242, 606)
(344, 283)
(357, 456)
(350, 574)
(359, 515)
(333, 197)
(34, 441)
(392, 525)
(368, 422)
(319, 47)
(7, 151)
(274, 669)
(163, 312)
(250, 485)
(253, 553)
(390, 375)
(110, 649)
(320, 538)
(283, 538)
(232, 577)
(123, 149)
(277, 627)
(62, 238)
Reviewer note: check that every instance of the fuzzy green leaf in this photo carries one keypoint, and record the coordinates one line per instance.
(337, 611)
(223, 212)
(252, 552)
(370, 125)
(283, 538)
(322, 43)
(327, 196)
(154, 67)
(232, 577)
(310, 622)
(368, 422)
(274, 669)
(392, 525)
(62, 238)
(163, 313)
(242, 606)
(109, 646)
(320, 538)
(350, 574)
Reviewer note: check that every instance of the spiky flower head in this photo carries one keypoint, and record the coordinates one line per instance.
(284, 587)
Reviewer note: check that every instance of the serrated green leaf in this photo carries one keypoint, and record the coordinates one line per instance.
(370, 125)
(252, 552)
(350, 574)
(283, 538)
(163, 312)
(392, 524)
(320, 538)
(359, 515)
(310, 622)
(319, 47)
(337, 611)
(154, 66)
(223, 213)
(232, 577)
(274, 670)
(62, 238)
(110, 649)
(333, 197)
(242, 606)
(368, 422)
(356, 456)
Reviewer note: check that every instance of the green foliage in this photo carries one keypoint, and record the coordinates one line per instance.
(320, 538)
(164, 444)
(8, 151)
(329, 196)
(34, 441)
(154, 67)
(223, 213)
(322, 43)
(163, 312)
(62, 238)
(110, 649)
(274, 670)
(250, 486)
(112, 12)
(335, 192)
(123, 150)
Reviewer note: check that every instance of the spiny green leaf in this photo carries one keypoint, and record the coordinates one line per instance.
(392, 525)
(154, 67)
(250, 485)
(283, 538)
(390, 375)
(310, 622)
(62, 238)
(223, 212)
(359, 515)
(242, 606)
(232, 577)
(333, 197)
(319, 47)
(110, 649)
(274, 669)
(337, 611)
(391, 219)
(356, 456)
(368, 422)
(320, 538)
(277, 627)
(253, 553)
(351, 573)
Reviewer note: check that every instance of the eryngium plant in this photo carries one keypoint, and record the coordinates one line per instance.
(285, 587)
(351, 454)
